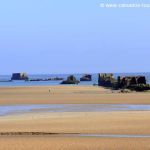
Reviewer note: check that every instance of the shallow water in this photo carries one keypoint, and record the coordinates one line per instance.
(17, 109)
(74, 135)
(109, 135)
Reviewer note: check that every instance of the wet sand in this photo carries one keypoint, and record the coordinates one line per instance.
(6, 110)
(69, 95)
(113, 122)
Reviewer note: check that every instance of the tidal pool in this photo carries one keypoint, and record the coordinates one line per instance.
(10, 109)
(74, 135)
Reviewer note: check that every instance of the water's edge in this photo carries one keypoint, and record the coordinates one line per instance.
(73, 135)
(54, 108)
(47, 83)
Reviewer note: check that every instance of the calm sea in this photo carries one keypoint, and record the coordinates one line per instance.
(40, 83)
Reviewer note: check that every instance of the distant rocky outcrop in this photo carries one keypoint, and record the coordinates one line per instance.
(49, 79)
(128, 81)
(135, 83)
(106, 80)
(86, 77)
(70, 80)
(19, 76)
(56, 79)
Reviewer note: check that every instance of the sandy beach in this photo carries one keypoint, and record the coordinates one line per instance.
(69, 95)
(125, 122)
(129, 123)
(59, 143)
(74, 75)
(113, 122)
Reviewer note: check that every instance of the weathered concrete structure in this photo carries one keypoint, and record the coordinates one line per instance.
(19, 76)
(137, 83)
(70, 80)
(125, 82)
(106, 80)
(86, 77)
(48, 79)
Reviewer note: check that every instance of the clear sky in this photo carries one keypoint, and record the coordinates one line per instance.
(73, 36)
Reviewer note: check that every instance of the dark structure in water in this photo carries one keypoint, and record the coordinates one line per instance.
(106, 80)
(70, 80)
(125, 82)
(19, 76)
(48, 79)
(137, 83)
(86, 77)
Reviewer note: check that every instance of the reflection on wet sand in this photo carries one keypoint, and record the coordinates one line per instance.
(11, 109)
(73, 135)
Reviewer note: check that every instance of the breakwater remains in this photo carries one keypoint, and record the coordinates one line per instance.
(136, 83)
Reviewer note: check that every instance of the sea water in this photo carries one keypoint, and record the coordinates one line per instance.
(46, 76)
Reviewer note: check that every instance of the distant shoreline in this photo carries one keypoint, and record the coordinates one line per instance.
(50, 83)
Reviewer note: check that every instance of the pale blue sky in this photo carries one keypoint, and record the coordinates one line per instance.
(72, 36)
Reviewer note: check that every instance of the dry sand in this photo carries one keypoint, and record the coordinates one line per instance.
(124, 122)
(69, 95)
(60, 143)
(132, 123)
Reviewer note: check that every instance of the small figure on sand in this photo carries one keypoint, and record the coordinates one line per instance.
(49, 90)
